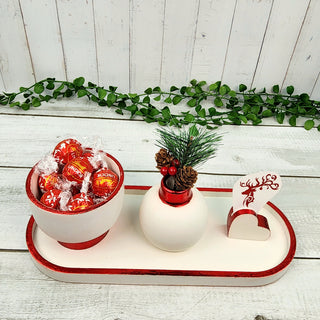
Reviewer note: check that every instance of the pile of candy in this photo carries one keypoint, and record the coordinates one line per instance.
(73, 177)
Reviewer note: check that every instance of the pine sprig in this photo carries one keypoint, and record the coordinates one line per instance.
(226, 106)
(190, 146)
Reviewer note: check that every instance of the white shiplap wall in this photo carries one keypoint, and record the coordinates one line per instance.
(134, 44)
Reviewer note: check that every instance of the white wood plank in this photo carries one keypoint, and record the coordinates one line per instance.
(211, 39)
(316, 89)
(146, 31)
(44, 38)
(78, 40)
(298, 199)
(295, 296)
(15, 62)
(2, 87)
(305, 63)
(112, 42)
(290, 151)
(282, 33)
(246, 38)
(180, 24)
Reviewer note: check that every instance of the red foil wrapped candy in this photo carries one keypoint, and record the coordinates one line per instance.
(67, 150)
(80, 202)
(51, 198)
(76, 169)
(104, 181)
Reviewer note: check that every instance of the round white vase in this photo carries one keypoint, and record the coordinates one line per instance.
(173, 220)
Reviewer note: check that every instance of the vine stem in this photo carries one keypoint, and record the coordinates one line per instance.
(236, 106)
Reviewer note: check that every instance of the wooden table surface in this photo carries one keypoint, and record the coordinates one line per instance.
(26, 293)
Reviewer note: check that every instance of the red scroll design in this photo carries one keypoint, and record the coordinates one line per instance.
(267, 181)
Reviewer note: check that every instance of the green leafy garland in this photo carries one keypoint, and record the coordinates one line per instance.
(227, 106)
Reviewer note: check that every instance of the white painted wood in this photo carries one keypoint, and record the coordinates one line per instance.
(2, 87)
(112, 42)
(316, 89)
(44, 38)
(247, 35)
(15, 63)
(180, 23)
(78, 39)
(295, 296)
(146, 36)
(243, 149)
(211, 39)
(279, 43)
(305, 63)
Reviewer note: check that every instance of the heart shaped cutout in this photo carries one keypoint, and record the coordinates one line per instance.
(246, 224)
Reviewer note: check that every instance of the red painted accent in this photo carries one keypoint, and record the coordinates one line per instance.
(172, 197)
(83, 245)
(184, 273)
(37, 203)
(262, 220)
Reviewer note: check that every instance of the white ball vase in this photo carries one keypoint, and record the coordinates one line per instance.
(173, 220)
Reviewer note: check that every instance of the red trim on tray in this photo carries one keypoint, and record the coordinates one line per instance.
(203, 273)
(37, 203)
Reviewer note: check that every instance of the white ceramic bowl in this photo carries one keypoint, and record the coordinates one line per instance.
(84, 227)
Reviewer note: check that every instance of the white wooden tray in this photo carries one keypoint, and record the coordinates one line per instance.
(124, 256)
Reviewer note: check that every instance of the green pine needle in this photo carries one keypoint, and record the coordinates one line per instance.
(191, 147)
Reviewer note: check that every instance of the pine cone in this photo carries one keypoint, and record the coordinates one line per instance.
(163, 158)
(186, 177)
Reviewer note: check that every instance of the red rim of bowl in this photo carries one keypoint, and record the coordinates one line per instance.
(36, 202)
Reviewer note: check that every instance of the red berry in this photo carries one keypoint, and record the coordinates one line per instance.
(164, 171)
(175, 162)
(172, 171)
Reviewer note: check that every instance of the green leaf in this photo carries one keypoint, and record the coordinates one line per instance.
(153, 112)
(168, 100)
(38, 88)
(275, 88)
(224, 89)
(22, 89)
(318, 127)
(189, 91)
(173, 88)
(242, 87)
(202, 83)
(304, 97)
(25, 106)
(193, 131)
(309, 124)
(189, 118)
(215, 86)
(119, 111)
(255, 109)
(232, 94)
(156, 89)
(68, 93)
(243, 118)
(293, 121)
(183, 90)
(212, 111)
(50, 86)
(157, 98)
(176, 100)
(146, 99)
(82, 93)
(102, 103)
(14, 104)
(193, 82)
(192, 102)
(290, 90)
(36, 102)
(267, 113)
(166, 113)
(102, 93)
(148, 91)
(60, 87)
(78, 82)
(111, 99)
(218, 102)
(202, 113)
(280, 117)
